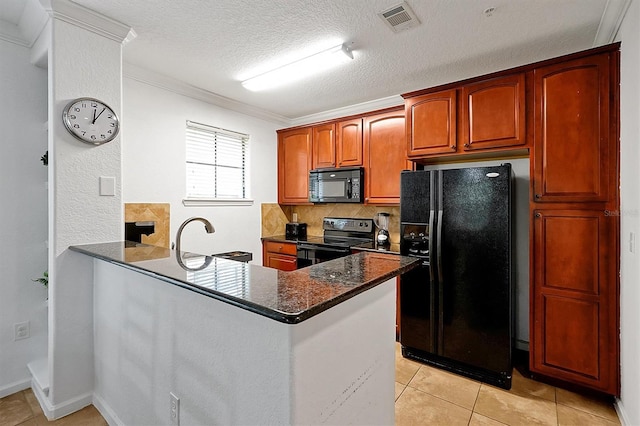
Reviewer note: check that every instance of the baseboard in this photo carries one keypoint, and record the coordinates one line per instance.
(12, 388)
(105, 410)
(53, 412)
(622, 414)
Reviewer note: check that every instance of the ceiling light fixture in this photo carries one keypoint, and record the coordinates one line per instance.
(300, 69)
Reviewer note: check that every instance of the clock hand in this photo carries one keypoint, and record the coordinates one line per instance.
(94, 120)
(94, 117)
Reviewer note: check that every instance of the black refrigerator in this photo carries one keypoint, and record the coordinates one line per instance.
(457, 307)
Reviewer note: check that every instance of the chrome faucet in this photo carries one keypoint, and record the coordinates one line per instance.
(207, 226)
(210, 230)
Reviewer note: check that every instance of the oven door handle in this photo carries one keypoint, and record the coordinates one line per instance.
(331, 249)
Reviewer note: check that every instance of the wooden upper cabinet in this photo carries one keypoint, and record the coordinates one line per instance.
(324, 146)
(573, 145)
(294, 163)
(384, 153)
(493, 113)
(349, 143)
(574, 297)
(431, 124)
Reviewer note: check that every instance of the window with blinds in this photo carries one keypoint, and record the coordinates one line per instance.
(216, 163)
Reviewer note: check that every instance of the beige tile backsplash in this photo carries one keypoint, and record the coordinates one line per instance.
(275, 217)
(156, 212)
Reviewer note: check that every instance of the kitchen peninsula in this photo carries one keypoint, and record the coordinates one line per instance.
(246, 344)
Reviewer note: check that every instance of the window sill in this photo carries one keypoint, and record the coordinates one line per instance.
(203, 202)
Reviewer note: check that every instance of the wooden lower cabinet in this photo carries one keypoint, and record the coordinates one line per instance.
(279, 255)
(574, 293)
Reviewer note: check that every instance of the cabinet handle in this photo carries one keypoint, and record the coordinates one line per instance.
(467, 145)
(538, 196)
(538, 215)
(453, 147)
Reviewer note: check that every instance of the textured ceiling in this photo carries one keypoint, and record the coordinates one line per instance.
(214, 44)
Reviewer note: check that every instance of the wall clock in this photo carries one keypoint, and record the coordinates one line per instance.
(90, 120)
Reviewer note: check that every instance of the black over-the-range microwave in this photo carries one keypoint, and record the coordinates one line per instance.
(345, 185)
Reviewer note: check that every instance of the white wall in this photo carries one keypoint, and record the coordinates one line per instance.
(82, 62)
(154, 166)
(630, 215)
(23, 215)
(230, 366)
(520, 168)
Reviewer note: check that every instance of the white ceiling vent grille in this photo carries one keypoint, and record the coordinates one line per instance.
(399, 17)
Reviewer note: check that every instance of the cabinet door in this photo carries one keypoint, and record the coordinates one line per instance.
(324, 146)
(294, 163)
(282, 262)
(384, 142)
(431, 124)
(572, 142)
(349, 143)
(573, 297)
(493, 113)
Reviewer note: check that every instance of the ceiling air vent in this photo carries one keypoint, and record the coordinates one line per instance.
(399, 17)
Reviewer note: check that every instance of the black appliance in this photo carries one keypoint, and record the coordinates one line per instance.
(345, 185)
(457, 307)
(240, 256)
(339, 235)
(133, 231)
(296, 231)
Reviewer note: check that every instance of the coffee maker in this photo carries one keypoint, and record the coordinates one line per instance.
(382, 223)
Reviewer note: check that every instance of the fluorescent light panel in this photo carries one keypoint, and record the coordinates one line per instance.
(300, 69)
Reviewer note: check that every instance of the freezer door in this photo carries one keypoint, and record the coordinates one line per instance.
(474, 267)
(415, 196)
(418, 305)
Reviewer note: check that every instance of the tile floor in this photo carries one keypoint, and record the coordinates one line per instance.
(429, 396)
(23, 409)
(424, 396)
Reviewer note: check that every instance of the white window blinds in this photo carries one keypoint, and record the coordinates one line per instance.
(216, 163)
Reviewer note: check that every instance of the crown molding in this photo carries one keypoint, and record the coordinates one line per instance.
(356, 109)
(74, 14)
(26, 32)
(610, 21)
(170, 84)
(10, 33)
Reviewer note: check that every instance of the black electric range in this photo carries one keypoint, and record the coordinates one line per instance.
(339, 235)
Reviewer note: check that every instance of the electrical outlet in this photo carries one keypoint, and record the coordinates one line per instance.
(21, 330)
(174, 409)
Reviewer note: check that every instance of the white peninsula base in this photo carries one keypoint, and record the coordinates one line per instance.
(230, 366)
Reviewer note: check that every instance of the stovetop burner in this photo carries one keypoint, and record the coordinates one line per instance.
(339, 235)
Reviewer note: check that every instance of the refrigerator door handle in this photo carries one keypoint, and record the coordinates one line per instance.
(440, 285)
(432, 266)
(439, 247)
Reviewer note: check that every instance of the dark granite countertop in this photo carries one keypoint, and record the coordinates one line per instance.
(280, 239)
(289, 297)
(392, 248)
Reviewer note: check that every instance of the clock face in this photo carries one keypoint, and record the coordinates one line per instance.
(90, 120)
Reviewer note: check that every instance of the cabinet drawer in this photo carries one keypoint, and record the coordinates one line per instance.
(278, 247)
(281, 262)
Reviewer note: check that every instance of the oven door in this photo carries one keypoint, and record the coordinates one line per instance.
(310, 254)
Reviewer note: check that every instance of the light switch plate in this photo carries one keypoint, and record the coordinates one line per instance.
(107, 185)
